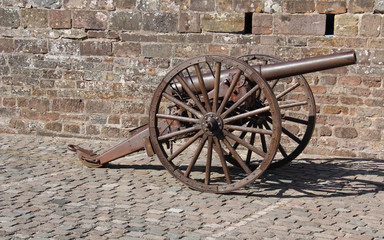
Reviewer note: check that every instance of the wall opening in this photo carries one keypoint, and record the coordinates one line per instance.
(248, 23)
(329, 25)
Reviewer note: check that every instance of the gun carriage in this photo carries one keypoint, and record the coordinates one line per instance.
(217, 123)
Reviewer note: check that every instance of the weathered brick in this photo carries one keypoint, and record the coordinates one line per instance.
(54, 126)
(92, 130)
(273, 6)
(326, 42)
(335, 110)
(6, 45)
(16, 123)
(302, 6)
(9, 102)
(346, 132)
(248, 6)
(160, 22)
(189, 23)
(374, 82)
(96, 48)
(103, 34)
(109, 132)
(157, 50)
(34, 18)
(379, 6)
(126, 49)
(224, 6)
(125, 21)
(14, 3)
(9, 18)
(130, 37)
(31, 46)
(298, 24)
(353, 101)
(101, 4)
(350, 80)
(75, 4)
(360, 6)
(60, 19)
(68, 105)
(363, 92)
(218, 49)
(90, 19)
(370, 135)
(64, 47)
(125, 4)
(225, 22)
(98, 106)
(71, 128)
(333, 6)
(147, 5)
(203, 6)
(346, 25)
(46, 3)
(370, 25)
(262, 24)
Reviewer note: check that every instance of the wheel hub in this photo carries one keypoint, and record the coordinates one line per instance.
(212, 123)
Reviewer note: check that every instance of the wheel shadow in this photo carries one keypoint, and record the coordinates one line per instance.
(331, 177)
(306, 177)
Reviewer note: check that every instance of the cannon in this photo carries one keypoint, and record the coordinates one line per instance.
(217, 123)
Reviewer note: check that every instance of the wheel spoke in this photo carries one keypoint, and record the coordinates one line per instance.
(219, 151)
(288, 90)
(190, 93)
(202, 87)
(295, 104)
(178, 133)
(240, 101)
(248, 129)
(244, 143)
(249, 152)
(182, 104)
(291, 135)
(242, 135)
(295, 120)
(216, 86)
(209, 162)
(195, 156)
(263, 142)
(178, 118)
(229, 91)
(247, 114)
(187, 144)
(237, 157)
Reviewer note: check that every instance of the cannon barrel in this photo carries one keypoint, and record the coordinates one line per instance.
(282, 69)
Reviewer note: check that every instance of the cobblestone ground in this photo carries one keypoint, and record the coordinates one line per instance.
(45, 193)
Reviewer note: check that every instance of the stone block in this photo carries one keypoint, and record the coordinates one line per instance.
(60, 19)
(273, 6)
(14, 3)
(333, 7)
(224, 6)
(98, 106)
(46, 3)
(147, 5)
(160, 22)
(71, 128)
(75, 4)
(360, 6)
(203, 6)
(34, 18)
(242, 6)
(370, 25)
(31, 46)
(299, 24)
(125, 21)
(64, 47)
(92, 130)
(68, 105)
(189, 23)
(125, 49)
(379, 6)
(346, 132)
(54, 126)
(90, 19)
(346, 25)
(101, 4)
(225, 22)
(350, 80)
(125, 4)
(300, 6)
(9, 18)
(6, 45)
(157, 50)
(262, 24)
(95, 48)
(335, 110)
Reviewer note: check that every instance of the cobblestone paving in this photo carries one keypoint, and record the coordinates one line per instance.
(45, 193)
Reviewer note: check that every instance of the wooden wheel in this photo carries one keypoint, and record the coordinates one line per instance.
(200, 122)
(298, 121)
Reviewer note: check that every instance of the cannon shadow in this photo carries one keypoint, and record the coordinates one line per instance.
(306, 177)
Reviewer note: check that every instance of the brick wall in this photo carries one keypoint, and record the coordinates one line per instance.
(88, 68)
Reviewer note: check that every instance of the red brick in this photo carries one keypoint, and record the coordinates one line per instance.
(6, 45)
(353, 101)
(370, 25)
(346, 132)
(299, 24)
(363, 92)
(34, 18)
(90, 19)
(60, 19)
(350, 80)
(372, 81)
(262, 24)
(125, 49)
(335, 110)
(96, 48)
